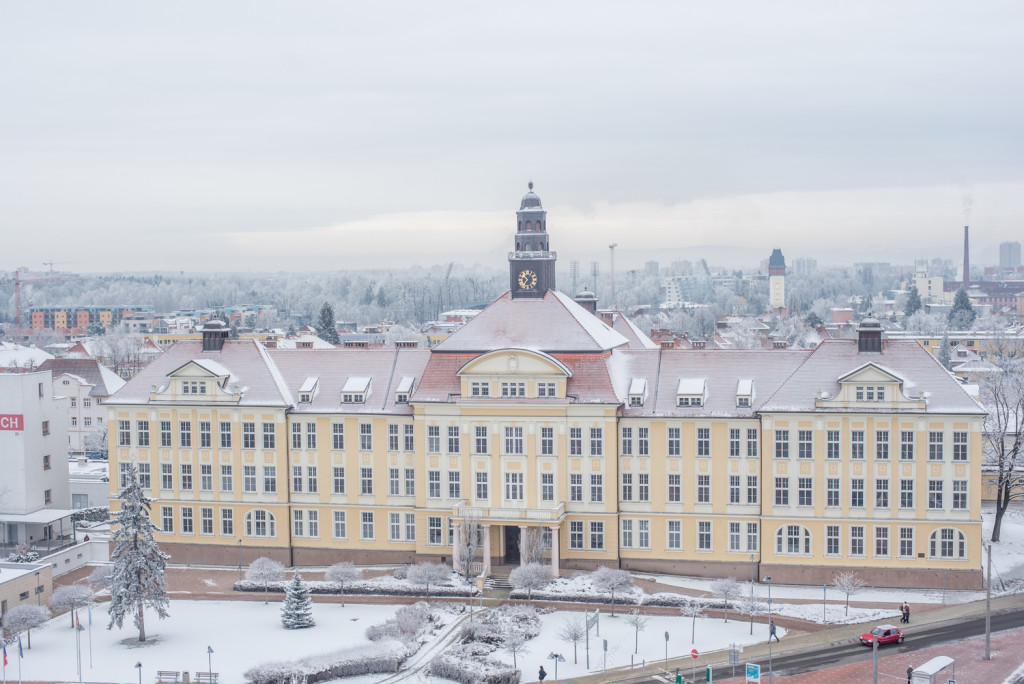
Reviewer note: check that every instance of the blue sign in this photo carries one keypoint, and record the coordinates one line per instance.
(753, 672)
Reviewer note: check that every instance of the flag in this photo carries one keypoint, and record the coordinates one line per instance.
(5, 655)
(78, 620)
(21, 653)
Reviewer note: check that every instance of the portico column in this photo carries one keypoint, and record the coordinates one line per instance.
(554, 551)
(487, 551)
(522, 544)
(456, 545)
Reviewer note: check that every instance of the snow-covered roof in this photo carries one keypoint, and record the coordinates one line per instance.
(405, 384)
(309, 384)
(690, 386)
(554, 323)
(745, 387)
(637, 386)
(12, 354)
(213, 367)
(357, 383)
(89, 372)
(304, 342)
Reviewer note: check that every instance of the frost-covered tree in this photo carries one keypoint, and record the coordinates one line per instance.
(1002, 395)
(96, 441)
(944, 356)
(138, 578)
(325, 324)
(726, 589)
(749, 604)
(693, 609)
(297, 611)
(962, 315)
(71, 597)
(530, 577)
(611, 580)
(24, 619)
(469, 538)
(534, 546)
(343, 573)
(514, 644)
(849, 584)
(264, 571)
(638, 621)
(427, 574)
(573, 631)
(101, 577)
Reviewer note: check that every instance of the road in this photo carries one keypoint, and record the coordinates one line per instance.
(831, 655)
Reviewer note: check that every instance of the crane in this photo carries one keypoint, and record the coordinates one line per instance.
(51, 264)
(18, 282)
(611, 249)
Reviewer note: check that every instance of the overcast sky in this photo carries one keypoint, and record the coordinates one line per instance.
(317, 135)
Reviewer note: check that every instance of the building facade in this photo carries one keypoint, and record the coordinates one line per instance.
(538, 419)
(85, 383)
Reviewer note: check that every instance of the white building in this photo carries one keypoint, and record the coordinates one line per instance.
(85, 383)
(34, 493)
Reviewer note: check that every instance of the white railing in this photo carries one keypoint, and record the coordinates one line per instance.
(485, 513)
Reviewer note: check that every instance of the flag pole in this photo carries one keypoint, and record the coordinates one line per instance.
(90, 637)
(21, 654)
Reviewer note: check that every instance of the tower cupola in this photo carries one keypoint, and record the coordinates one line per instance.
(531, 263)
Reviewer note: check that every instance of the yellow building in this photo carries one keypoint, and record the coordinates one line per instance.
(539, 416)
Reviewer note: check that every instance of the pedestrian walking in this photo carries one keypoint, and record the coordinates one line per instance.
(772, 632)
(542, 674)
(902, 608)
(906, 613)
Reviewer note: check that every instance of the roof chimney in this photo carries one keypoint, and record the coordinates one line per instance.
(214, 334)
(967, 260)
(869, 336)
(588, 300)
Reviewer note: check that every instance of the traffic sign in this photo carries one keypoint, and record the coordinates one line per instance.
(753, 673)
(693, 653)
(709, 676)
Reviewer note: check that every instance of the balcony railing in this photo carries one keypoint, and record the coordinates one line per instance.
(510, 514)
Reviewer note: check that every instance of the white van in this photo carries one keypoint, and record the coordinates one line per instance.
(938, 670)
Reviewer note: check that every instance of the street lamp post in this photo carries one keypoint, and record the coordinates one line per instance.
(209, 661)
(752, 576)
(771, 671)
(557, 657)
(988, 606)
(138, 666)
(239, 560)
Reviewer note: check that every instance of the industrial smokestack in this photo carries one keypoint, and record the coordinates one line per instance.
(967, 259)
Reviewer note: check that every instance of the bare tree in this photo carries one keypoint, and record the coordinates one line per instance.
(264, 571)
(726, 589)
(25, 619)
(573, 631)
(848, 583)
(1002, 394)
(343, 573)
(530, 577)
(693, 609)
(469, 541)
(101, 577)
(534, 546)
(638, 621)
(513, 645)
(750, 604)
(71, 597)
(426, 574)
(611, 580)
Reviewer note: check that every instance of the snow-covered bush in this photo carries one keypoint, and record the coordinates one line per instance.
(23, 553)
(101, 577)
(407, 624)
(402, 572)
(471, 661)
(581, 589)
(378, 586)
(96, 514)
(379, 657)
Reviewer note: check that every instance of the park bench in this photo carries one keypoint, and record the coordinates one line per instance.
(168, 676)
(206, 677)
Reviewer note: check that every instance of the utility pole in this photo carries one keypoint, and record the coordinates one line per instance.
(988, 606)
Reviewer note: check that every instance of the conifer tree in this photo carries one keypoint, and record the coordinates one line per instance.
(962, 315)
(138, 578)
(913, 304)
(324, 325)
(297, 611)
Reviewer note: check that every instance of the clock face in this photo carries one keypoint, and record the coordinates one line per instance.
(527, 279)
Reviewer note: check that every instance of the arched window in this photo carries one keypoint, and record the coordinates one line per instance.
(529, 225)
(793, 540)
(947, 543)
(260, 523)
(519, 247)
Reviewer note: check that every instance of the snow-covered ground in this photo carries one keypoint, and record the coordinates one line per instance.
(711, 634)
(241, 633)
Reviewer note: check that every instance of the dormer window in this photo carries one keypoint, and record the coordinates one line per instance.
(403, 391)
(308, 390)
(545, 389)
(690, 392)
(305, 398)
(480, 389)
(355, 390)
(744, 393)
(637, 391)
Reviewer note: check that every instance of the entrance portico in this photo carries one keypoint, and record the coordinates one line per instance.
(509, 533)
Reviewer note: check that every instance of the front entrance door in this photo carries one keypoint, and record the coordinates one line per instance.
(511, 544)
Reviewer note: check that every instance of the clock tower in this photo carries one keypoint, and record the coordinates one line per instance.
(532, 265)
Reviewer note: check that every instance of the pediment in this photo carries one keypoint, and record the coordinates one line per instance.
(870, 372)
(200, 368)
(515, 362)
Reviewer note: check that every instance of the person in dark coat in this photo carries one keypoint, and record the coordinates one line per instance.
(772, 632)
(542, 674)
(906, 613)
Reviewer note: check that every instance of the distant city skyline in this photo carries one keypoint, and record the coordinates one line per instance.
(263, 136)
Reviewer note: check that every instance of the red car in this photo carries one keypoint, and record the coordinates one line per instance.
(886, 634)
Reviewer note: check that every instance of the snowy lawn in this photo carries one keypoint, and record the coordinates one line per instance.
(711, 634)
(241, 633)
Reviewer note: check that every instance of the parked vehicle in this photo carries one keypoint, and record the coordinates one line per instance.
(886, 634)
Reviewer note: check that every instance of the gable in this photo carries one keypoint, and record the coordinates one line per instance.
(870, 372)
(515, 362)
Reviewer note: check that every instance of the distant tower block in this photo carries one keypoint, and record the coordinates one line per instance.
(777, 280)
